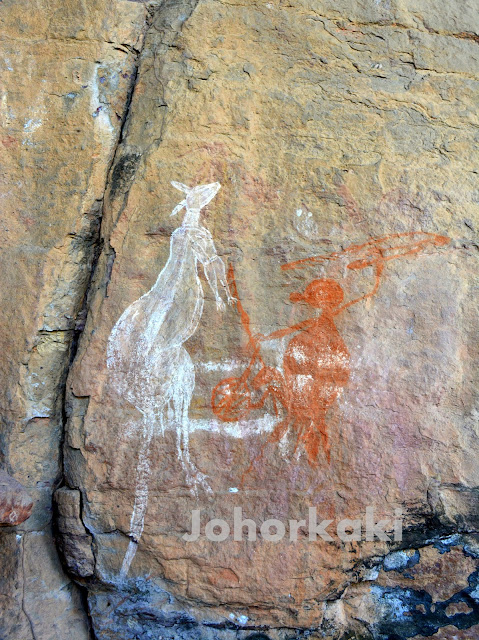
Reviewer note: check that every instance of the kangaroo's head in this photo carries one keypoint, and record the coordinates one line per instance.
(196, 198)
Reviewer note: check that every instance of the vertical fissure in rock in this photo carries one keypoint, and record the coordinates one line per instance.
(23, 589)
(99, 243)
(84, 602)
(96, 243)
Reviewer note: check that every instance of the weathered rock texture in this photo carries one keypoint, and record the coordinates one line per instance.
(327, 124)
(67, 73)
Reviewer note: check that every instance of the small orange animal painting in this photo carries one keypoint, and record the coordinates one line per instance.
(316, 362)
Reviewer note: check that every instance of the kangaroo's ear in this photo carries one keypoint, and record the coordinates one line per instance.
(178, 208)
(180, 186)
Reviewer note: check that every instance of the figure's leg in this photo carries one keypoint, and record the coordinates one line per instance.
(179, 430)
(279, 431)
(260, 403)
(300, 427)
(188, 388)
(315, 437)
(273, 383)
(141, 492)
(160, 420)
(183, 387)
(182, 394)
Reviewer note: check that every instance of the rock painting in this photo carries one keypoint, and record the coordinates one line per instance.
(316, 362)
(147, 361)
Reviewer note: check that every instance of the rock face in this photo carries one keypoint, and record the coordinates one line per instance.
(338, 384)
(67, 72)
(74, 541)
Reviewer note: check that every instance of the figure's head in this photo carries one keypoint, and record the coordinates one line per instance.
(196, 197)
(320, 294)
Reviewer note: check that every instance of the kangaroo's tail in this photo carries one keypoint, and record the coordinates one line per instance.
(137, 520)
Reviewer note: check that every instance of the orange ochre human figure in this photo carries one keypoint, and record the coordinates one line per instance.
(316, 362)
(316, 367)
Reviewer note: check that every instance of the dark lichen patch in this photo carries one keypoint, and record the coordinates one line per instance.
(123, 174)
(446, 544)
(401, 560)
(410, 612)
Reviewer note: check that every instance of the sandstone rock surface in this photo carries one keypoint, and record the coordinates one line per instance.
(67, 69)
(328, 125)
(74, 541)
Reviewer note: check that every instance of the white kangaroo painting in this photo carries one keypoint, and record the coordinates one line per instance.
(147, 361)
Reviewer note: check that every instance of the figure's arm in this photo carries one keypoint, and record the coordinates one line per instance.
(281, 333)
(379, 267)
(380, 255)
(213, 266)
(211, 271)
(215, 269)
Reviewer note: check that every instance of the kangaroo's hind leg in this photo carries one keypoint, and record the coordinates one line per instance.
(184, 385)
